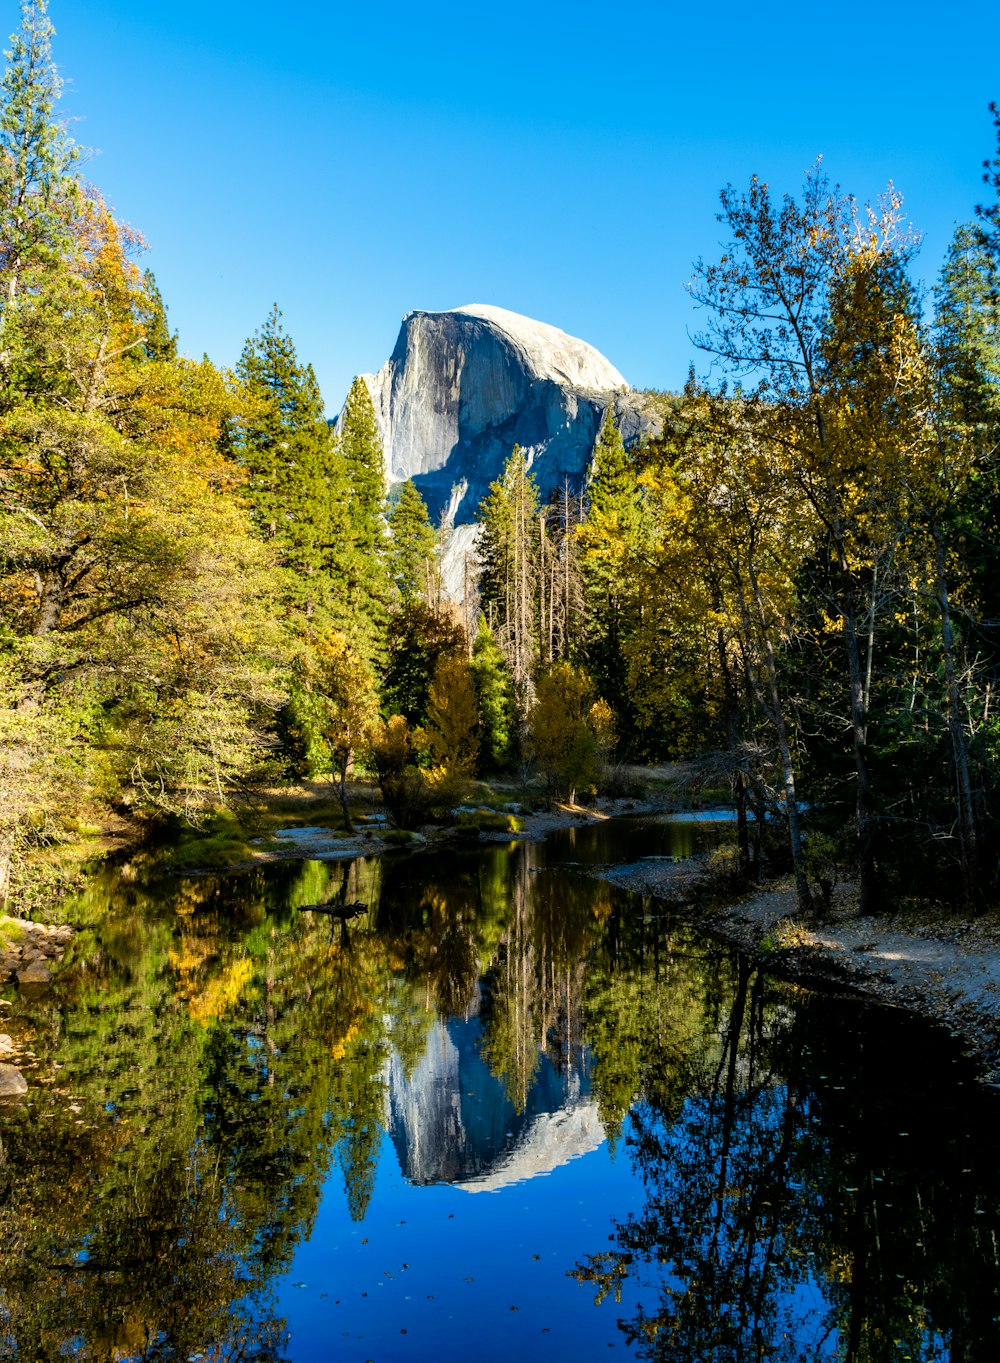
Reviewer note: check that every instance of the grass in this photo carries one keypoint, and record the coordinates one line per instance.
(786, 935)
(11, 931)
(488, 821)
(220, 841)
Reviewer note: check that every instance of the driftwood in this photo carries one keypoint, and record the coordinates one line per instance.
(334, 909)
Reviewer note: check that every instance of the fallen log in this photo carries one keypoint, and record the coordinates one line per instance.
(336, 910)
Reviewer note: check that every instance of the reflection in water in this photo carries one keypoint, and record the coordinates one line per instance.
(805, 1200)
(218, 1072)
(453, 1121)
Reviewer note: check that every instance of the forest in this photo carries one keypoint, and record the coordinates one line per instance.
(206, 586)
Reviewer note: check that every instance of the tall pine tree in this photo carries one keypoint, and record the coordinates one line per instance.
(413, 547)
(294, 476)
(37, 189)
(609, 537)
(360, 529)
(508, 555)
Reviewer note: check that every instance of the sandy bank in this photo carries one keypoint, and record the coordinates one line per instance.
(948, 970)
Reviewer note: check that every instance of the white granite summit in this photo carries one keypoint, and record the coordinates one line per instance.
(463, 387)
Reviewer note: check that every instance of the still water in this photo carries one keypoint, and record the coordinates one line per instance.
(510, 1112)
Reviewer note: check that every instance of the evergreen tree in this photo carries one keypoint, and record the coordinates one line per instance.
(294, 477)
(609, 538)
(160, 343)
(362, 565)
(509, 517)
(418, 637)
(37, 187)
(413, 546)
(496, 701)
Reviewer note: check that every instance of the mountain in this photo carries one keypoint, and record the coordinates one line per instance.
(452, 1120)
(462, 388)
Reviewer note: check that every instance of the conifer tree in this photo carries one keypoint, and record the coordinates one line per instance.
(508, 554)
(36, 158)
(160, 342)
(496, 701)
(609, 537)
(413, 547)
(294, 476)
(362, 565)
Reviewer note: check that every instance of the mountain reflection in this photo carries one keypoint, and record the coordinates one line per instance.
(453, 1121)
(213, 1067)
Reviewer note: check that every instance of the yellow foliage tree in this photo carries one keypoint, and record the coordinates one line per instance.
(561, 736)
(341, 685)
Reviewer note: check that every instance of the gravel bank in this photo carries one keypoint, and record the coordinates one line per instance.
(948, 970)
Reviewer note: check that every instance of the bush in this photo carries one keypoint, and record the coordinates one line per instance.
(218, 841)
(392, 753)
(488, 821)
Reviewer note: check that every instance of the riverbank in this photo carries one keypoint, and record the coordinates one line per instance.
(945, 969)
(374, 838)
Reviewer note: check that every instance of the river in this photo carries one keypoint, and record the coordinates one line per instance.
(510, 1111)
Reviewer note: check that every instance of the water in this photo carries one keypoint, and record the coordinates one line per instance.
(506, 1113)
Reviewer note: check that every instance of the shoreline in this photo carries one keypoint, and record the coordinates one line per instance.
(946, 970)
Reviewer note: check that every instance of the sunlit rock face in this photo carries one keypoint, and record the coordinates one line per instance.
(452, 1120)
(464, 387)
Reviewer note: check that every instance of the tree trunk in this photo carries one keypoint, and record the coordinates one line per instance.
(338, 770)
(968, 841)
(864, 805)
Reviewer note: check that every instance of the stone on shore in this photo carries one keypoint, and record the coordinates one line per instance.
(12, 1083)
(34, 972)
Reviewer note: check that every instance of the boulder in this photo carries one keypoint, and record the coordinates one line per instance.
(12, 1083)
(34, 972)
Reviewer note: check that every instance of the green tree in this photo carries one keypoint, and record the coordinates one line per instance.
(496, 701)
(38, 191)
(294, 478)
(160, 342)
(413, 547)
(363, 570)
(610, 539)
(419, 636)
(509, 519)
(134, 596)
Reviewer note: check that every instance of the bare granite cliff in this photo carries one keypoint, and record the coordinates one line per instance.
(462, 388)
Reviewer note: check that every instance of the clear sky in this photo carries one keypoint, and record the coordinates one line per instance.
(354, 162)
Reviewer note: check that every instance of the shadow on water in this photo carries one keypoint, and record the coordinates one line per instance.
(243, 1120)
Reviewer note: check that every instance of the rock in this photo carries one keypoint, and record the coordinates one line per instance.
(462, 388)
(12, 1083)
(34, 973)
(6, 1046)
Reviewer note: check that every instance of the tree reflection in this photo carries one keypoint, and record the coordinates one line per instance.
(779, 1222)
(214, 1056)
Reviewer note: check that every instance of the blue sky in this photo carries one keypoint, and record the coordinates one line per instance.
(352, 163)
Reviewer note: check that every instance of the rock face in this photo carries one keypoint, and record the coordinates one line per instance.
(452, 1120)
(464, 387)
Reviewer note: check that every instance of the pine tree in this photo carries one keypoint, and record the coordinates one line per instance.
(362, 565)
(413, 547)
(609, 537)
(496, 701)
(160, 342)
(37, 187)
(294, 475)
(508, 554)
